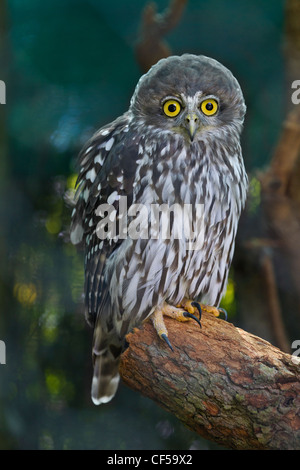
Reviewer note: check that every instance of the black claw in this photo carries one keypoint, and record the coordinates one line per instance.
(198, 307)
(190, 315)
(225, 313)
(164, 337)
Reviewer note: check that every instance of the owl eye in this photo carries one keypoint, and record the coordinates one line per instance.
(171, 108)
(209, 107)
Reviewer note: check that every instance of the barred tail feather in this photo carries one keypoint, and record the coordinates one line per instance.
(106, 377)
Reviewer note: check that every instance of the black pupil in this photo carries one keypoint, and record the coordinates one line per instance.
(172, 108)
(209, 106)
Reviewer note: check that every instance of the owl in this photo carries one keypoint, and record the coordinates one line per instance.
(177, 147)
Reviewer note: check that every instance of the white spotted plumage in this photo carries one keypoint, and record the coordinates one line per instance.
(149, 159)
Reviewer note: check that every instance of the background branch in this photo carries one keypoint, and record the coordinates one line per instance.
(151, 47)
(223, 383)
(280, 196)
(273, 302)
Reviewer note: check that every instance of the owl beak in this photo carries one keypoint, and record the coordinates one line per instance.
(192, 124)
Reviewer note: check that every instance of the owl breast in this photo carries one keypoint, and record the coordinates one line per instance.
(191, 216)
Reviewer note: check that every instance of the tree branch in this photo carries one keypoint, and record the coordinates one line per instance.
(151, 47)
(279, 203)
(273, 302)
(225, 384)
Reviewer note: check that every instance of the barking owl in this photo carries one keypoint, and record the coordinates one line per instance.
(177, 146)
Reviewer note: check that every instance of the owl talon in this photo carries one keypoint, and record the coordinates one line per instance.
(214, 310)
(225, 313)
(198, 307)
(166, 339)
(190, 315)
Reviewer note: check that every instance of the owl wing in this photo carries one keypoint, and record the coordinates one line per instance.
(107, 169)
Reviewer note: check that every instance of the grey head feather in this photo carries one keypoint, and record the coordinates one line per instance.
(190, 73)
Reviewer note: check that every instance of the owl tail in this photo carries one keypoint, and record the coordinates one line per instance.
(106, 358)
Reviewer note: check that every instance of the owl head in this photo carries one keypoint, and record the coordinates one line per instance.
(190, 95)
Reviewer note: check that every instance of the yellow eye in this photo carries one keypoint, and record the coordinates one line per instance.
(171, 108)
(209, 107)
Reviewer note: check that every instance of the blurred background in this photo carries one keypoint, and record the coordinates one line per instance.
(71, 66)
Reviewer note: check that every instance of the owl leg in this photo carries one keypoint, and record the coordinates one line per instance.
(160, 327)
(173, 312)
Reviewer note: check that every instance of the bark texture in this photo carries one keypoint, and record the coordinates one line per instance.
(227, 385)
